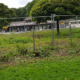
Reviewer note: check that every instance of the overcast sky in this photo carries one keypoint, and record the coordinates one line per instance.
(15, 3)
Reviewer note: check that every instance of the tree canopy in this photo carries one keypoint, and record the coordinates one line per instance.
(24, 11)
(29, 7)
(59, 7)
(5, 12)
(20, 12)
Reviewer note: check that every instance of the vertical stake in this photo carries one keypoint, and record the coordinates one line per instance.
(52, 26)
(70, 34)
(33, 40)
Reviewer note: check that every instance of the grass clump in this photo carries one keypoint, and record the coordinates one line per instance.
(22, 49)
(41, 53)
(4, 58)
(72, 51)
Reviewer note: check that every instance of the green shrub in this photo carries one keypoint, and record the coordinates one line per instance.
(44, 53)
(72, 51)
(22, 49)
(4, 58)
(41, 53)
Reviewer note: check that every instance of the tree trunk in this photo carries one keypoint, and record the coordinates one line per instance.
(57, 26)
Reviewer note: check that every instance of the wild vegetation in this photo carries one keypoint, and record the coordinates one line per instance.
(23, 42)
(54, 58)
(60, 61)
(5, 12)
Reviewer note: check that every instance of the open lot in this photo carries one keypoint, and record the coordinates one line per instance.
(62, 63)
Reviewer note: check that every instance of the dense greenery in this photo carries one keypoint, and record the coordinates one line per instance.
(20, 12)
(59, 7)
(43, 39)
(62, 62)
(24, 11)
(29, 7)
(5, 12)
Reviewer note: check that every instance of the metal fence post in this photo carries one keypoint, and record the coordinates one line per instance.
(70, 34)
(33, 40)
(52, 26)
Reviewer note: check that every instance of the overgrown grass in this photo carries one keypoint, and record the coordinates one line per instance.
(58, 62)
(42, 39)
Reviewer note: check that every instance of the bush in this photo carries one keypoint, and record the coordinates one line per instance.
(72, 51)
(22, 50)
(41, 53)
(4, 58)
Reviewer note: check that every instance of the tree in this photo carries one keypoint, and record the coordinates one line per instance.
(5, 12)
(24, 11)
(59, 7)
(29, 7)
(20, 12)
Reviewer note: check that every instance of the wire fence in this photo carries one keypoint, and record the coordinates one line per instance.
(68, 26)
(23, 34)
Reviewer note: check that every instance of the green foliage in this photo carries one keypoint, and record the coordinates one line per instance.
(4, 58)
(48, 65)
(29, 7)
(22, 49)
(57, 7)
(20, 12)
(5, 12)
(72, 51)
(44, 53)
(19, 40)
(15, 40)
(59, 10)
(43, 43)
(24, 11)
(41, 53)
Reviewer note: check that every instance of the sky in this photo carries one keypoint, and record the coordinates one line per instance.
(15, 3)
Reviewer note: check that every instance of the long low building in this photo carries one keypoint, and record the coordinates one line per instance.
(27, 25)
